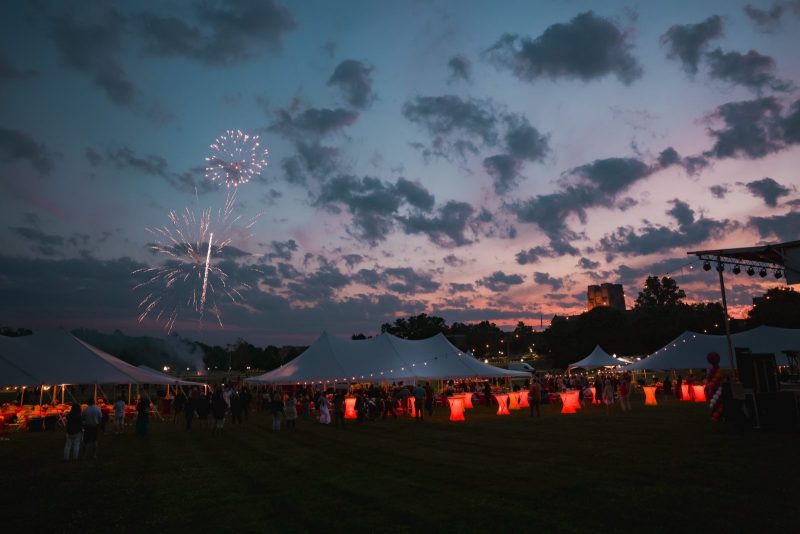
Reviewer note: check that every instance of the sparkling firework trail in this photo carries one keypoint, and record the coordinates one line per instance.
(236, 158)
(188, 282)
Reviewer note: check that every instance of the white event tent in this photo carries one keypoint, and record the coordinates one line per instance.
(689, 350)
(58, 357)
(384, 357)
(598, 358)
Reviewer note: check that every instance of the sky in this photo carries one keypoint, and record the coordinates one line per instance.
(472, 160)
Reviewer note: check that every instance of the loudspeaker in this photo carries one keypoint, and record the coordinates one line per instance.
(757, 372)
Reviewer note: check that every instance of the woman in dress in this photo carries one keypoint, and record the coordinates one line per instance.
(324, 410)
(608, 395)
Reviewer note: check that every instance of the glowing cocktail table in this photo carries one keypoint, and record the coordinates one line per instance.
(513, 400)
(594, 395)
(685, 392)
(570, 401)
(468, 399)
(350, 408)
(523, 399)
(412, 401)
(456, 407)
(502, 404)
(699, 393)
(649, 395)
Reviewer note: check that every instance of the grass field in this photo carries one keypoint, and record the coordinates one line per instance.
(655, 469)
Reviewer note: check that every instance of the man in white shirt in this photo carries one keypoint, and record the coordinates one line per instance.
(91, 416)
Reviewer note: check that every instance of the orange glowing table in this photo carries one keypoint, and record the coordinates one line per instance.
(513, 400)
(523, 399)
(594, 395)
(650, 395)
(412, 401)
(350, 408)
(699, 393)
(456, 407)
(685, 392)
(502, 404)
(570, 401)
(468, 399)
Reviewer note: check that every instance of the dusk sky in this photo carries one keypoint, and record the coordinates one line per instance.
(473, 160)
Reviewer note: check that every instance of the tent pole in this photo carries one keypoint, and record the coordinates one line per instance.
(63, 387)
(95, 393)
(22, 398)
(41, 394)
(725, 313)
(129, 393)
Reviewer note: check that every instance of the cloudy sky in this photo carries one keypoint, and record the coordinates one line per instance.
(473, 160)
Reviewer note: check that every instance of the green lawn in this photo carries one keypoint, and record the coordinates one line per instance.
(655, 469)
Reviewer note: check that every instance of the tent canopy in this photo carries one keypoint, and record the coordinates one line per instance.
(384, 357)
(689, 350)
(58, 357)
(598, 358)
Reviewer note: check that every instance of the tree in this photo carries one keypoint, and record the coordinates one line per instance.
(658, 293)
(778, 307)
(420, 326)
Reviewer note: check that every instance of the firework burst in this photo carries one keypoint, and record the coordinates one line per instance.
(188, 282)
(236, 158)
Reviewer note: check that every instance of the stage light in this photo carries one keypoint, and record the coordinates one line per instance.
(720, 267)
(706, 266)
(750, 271)
(736, 269)
(778, 273)
(762, 273)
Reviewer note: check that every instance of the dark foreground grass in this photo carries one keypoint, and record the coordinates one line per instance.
(656, 469)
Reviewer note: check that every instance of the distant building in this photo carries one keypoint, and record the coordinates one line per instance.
(608, 295)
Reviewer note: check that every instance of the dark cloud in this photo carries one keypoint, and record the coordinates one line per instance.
(688, 42)
(455, 124)
(524, 141)
(189, 181)
(752, 70)
(694, 164)
(314, 122)
(282, 250)
(766, 20)
(368, 277)
(312, 159)
(44, 243)
(504, 171)
(768, 190)
(16, 145)
(752, 129)
(407, 280)
(782, 227)
(453, 261)
(372, 203)
(351, 260)
(223, 34)
(719, 190)
(455, 287)
(319, 285)
(499, 281)
(594, 184)
(460, 69)
(446, 228)
(626, 203)
(545, 279)
(587, 264)
(668, 157)
(92, 47)
(650, 239)
(415, 194)
(587, 47)
(10, 73)
(288, 271)
(533, 255)
(354, 80)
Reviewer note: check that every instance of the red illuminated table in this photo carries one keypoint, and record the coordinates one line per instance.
(699, 393)
(456, 407)
(685, 392)
(523, 399)
(412, 401)
(570, 401)
(513, 400)
(594, 395)
(468, 399)
(650, 395)
(502, 404)
(350, 408)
